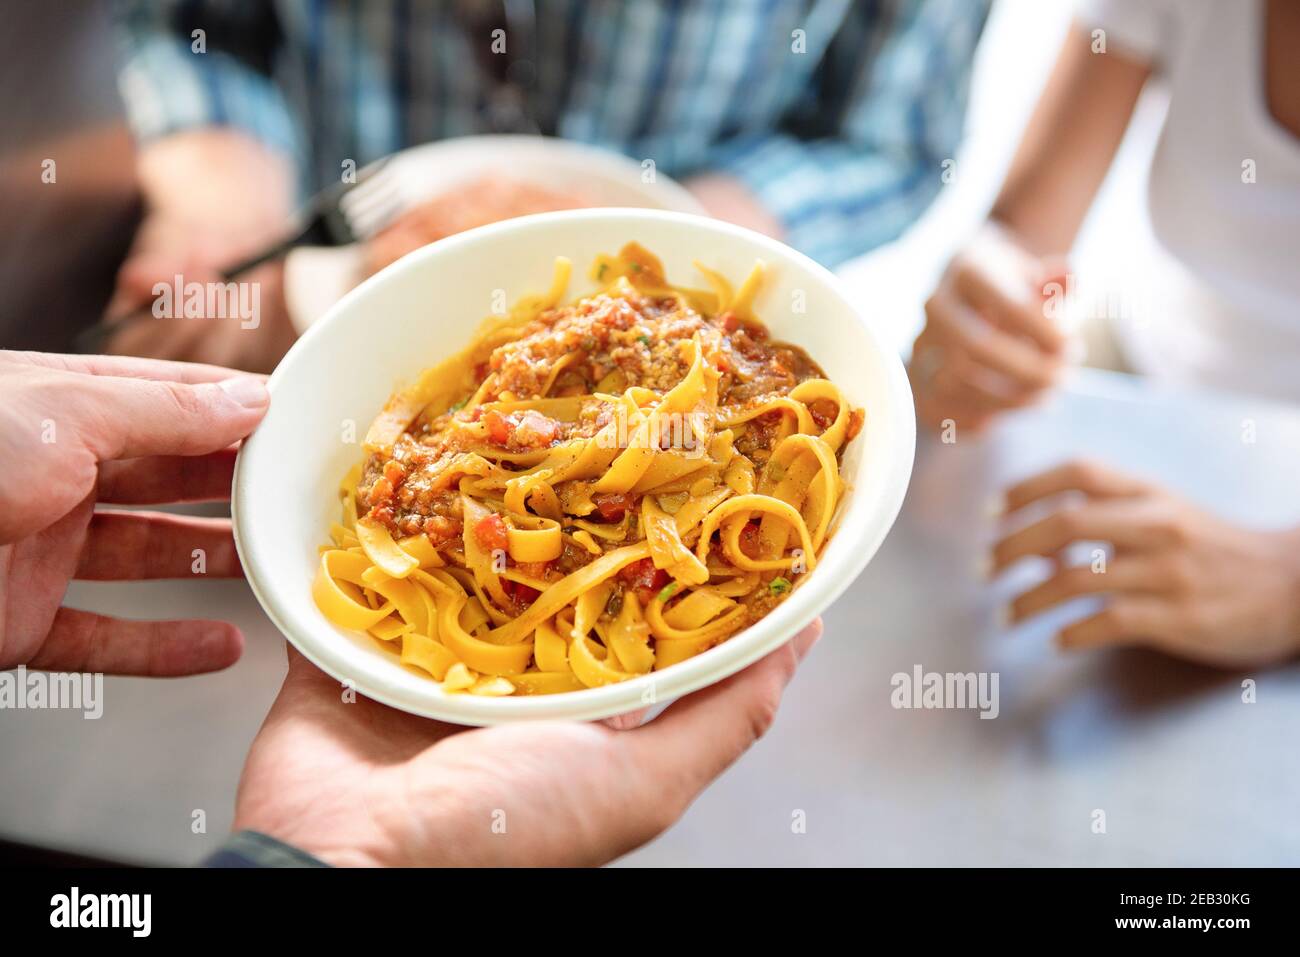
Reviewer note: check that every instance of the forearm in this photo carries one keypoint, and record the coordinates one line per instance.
(1069, 144)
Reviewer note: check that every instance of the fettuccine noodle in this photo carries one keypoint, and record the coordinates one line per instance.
(592, 491)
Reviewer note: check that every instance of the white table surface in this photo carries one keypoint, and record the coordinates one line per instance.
(1186, 772)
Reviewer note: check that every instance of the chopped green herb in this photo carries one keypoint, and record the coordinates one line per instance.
(600, 273)
(615, 604)
(667, 592)
(458, 406)
(635, 267)
(589, 343)
(644, 340)
(779, 586)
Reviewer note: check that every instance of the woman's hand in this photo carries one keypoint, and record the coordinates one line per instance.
(80, 430)
(988, 344)
(360, 783)
(1180, 580)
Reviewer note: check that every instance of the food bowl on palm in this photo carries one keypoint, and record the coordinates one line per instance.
(447, 640)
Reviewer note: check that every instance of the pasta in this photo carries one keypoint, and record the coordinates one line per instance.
(592, 491)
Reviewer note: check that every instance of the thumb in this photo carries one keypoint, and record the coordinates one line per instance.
(126, 418)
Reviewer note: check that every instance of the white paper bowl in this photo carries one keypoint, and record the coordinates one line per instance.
(426, 307)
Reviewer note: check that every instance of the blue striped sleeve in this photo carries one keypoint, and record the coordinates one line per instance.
(168, 86)
(841, 196)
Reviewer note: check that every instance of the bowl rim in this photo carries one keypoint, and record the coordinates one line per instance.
(707, 668)
(599, 159)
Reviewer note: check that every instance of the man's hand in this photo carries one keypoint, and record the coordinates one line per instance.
(988, 344)
(77, 430)
(727, 198)
(1180, 579)
(213, 198)
(360, 783)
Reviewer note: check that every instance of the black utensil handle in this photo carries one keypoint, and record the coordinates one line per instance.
(89, 340)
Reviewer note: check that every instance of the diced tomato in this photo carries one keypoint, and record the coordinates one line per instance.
(536, 431)
(749, 539)
(394, 472)
(491, 532)
(730, 322)
(613, 506)
(499, 427)
(823, 412)
(644, 579)
(383, 515)
(520, 593)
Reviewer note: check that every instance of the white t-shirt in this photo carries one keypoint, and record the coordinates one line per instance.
(1223, 307)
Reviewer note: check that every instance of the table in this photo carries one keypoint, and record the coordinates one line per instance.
(1186, 773)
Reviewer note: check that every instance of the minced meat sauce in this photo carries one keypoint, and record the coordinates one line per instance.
(601, 344)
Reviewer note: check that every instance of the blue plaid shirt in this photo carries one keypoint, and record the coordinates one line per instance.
(837, 114)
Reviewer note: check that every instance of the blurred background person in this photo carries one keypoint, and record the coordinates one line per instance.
(1224, 197)
(824, 122)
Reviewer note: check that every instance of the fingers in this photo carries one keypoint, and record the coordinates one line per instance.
(1115, 512)
(1005, 296)
(128, 367)
(144, 270)
(1090, 478)
(1120, 522)
(1024, 364)
(965, 384)
(1072, 582)
(128, 418)
(82, 641)
(1125, 621)
(145, 545)
(168, 478)
(702, 735)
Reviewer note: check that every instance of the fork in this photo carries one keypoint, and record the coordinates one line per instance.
(339, 215)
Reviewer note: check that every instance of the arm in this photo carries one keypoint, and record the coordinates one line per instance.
(862, 183)
(1069, 144)
(207, 115)
(989, 343)
(171, 84)
(216, 170)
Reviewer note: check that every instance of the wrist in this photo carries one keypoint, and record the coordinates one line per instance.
(255, 849)
(371, 824)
